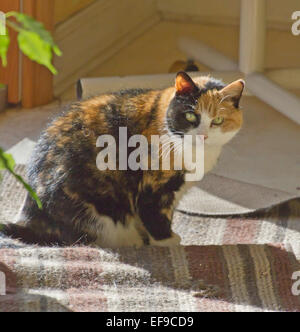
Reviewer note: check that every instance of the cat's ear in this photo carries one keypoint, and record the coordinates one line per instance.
(233, 92)
(184, 84)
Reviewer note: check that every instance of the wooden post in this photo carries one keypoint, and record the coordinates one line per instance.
(10, 74)
(37, 81)
(252, 36)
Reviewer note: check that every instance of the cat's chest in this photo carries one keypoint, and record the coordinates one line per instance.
(211, 156)
(203, 161)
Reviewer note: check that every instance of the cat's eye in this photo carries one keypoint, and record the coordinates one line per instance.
(217, 121)
(191, 117)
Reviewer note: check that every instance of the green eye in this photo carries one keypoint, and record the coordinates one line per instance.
(191, 117)
(217, 121)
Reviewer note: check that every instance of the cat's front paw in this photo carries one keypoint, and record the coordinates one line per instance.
(172, 241)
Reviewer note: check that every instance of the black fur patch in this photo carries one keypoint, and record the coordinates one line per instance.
(176, 118)
(131, 92)
(214, 84)
(157, 224)
(151, 203)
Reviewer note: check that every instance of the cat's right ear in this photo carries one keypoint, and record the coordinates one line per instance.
(184, 84)
(234, 91)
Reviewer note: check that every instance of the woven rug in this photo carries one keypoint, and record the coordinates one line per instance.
(240, 263)
(199, 278)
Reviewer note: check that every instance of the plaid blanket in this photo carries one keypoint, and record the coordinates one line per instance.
(240, 263)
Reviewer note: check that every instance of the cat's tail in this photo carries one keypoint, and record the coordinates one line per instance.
(26, 234)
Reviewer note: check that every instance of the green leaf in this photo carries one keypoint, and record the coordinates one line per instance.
(32, 25)
(7, 162)
(4, 44)
(57, 51)
(30, 190)
(36, 49)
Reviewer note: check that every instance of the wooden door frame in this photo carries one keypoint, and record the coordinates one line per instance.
(10, 75)
(37, 81)
(28, 82)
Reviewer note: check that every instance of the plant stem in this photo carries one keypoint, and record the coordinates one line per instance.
(13, 26)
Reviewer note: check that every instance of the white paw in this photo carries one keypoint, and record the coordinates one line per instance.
(173, 241)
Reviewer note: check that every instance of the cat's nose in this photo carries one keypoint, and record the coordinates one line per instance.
(205, 137)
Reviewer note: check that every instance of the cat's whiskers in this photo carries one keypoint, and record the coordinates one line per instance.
(165, 148)
(78, 241)
(168, 146)
(178, 147)
(174, 146)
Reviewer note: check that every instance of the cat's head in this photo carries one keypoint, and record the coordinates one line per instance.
(205, 107)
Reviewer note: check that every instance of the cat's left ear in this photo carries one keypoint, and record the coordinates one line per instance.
(233, 92)
(184, 84)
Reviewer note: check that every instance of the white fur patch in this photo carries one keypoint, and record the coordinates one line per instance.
(116, 235)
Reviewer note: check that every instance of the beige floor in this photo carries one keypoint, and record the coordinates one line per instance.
(17, 123)
(266, 151)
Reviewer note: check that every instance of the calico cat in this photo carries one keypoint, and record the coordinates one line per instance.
(115, 208)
